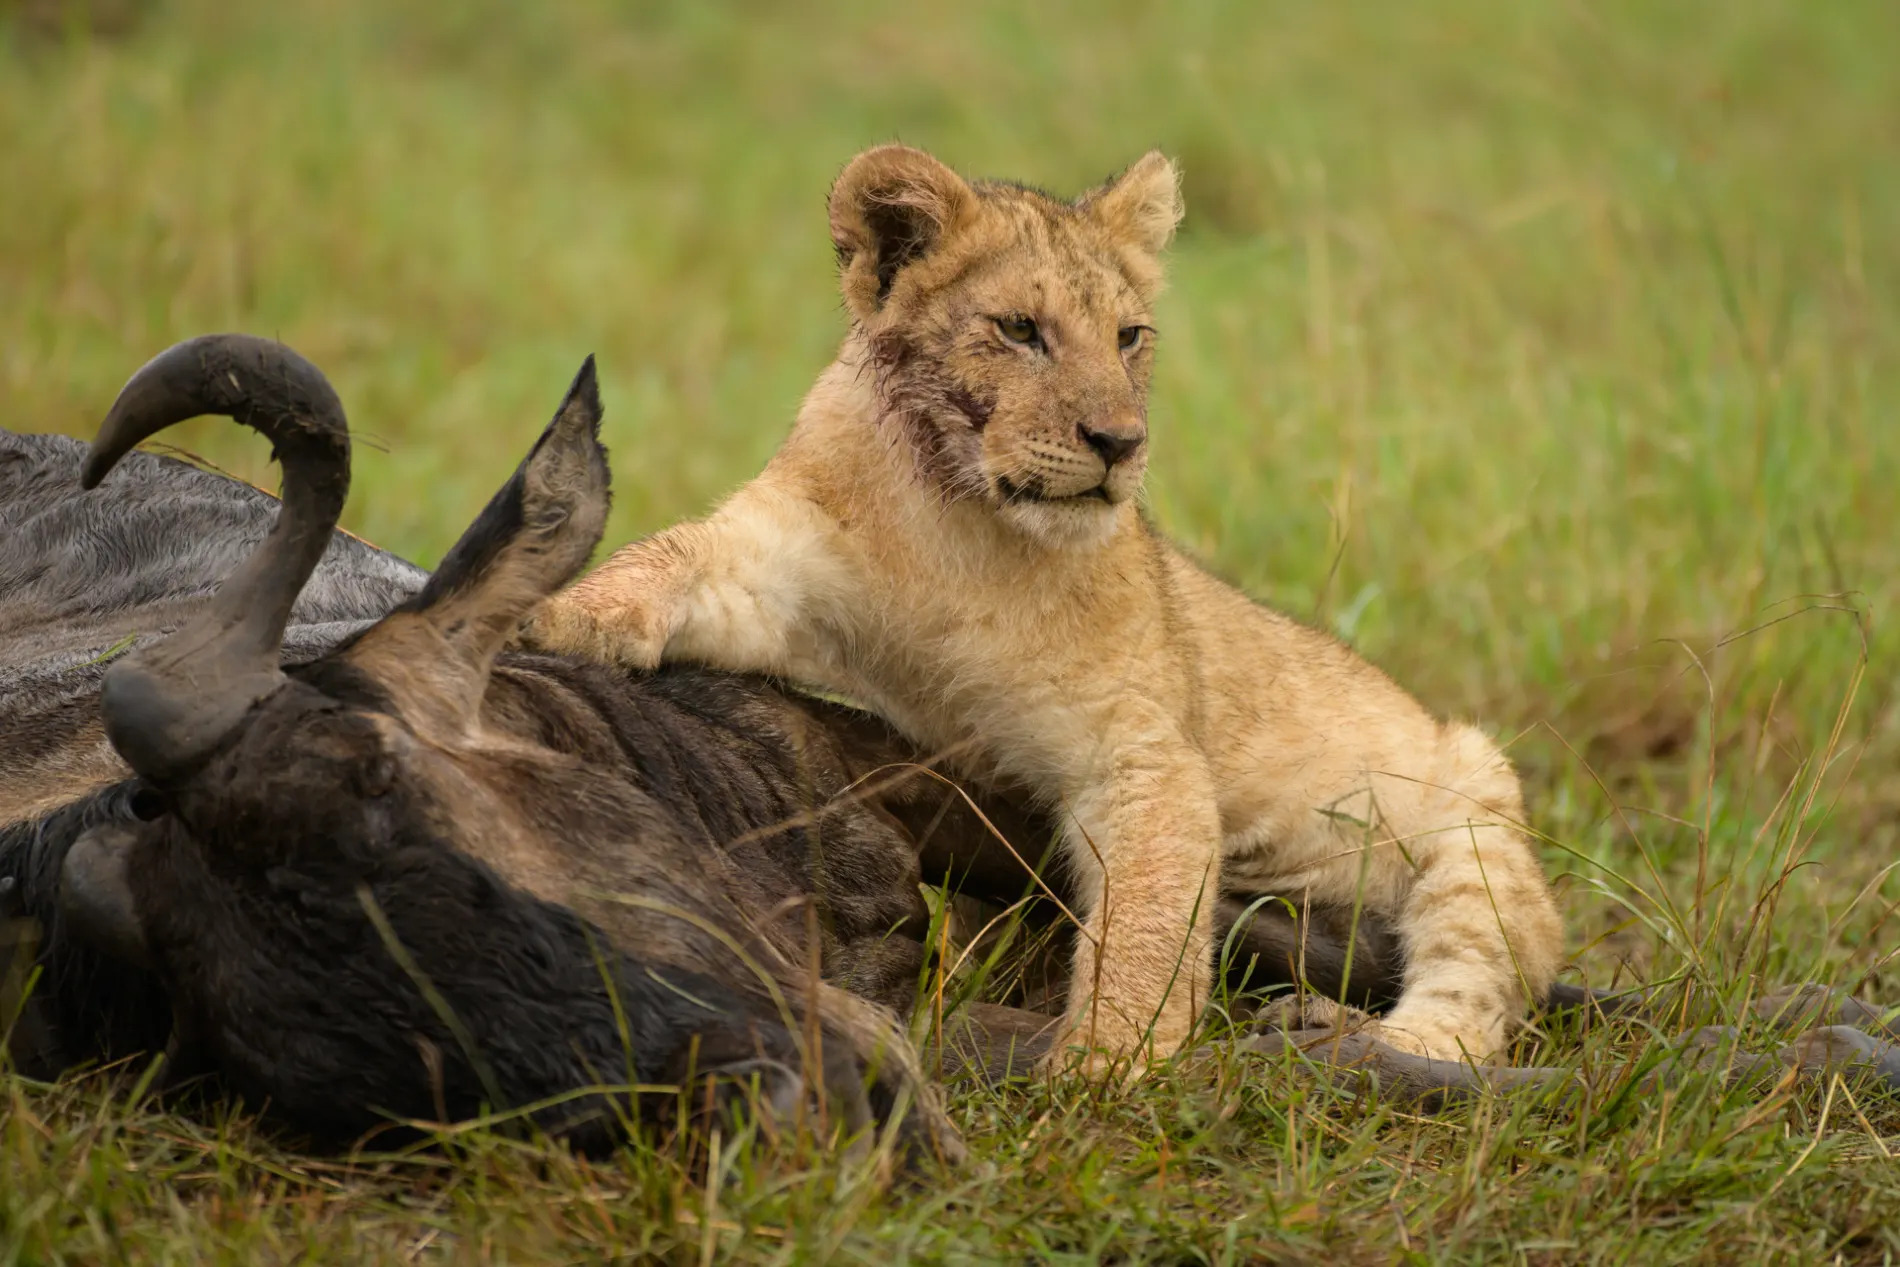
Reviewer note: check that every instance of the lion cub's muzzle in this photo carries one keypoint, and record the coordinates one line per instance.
(1105, 466)
(1113, 442)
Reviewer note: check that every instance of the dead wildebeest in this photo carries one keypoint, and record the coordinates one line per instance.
(400, 878)
(412, 874)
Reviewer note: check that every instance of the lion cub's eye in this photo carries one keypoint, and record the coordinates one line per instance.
(1018, 329)
(1130, 337)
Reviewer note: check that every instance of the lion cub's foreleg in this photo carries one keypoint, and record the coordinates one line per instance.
(736, 591)
(1143, 841)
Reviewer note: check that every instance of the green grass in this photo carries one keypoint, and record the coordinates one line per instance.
(1546, 351)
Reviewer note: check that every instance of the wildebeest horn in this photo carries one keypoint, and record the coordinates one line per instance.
(168, 706)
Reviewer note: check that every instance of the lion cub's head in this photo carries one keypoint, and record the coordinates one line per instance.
(1011, 333)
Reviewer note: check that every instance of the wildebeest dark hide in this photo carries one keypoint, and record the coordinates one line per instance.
(689, 814)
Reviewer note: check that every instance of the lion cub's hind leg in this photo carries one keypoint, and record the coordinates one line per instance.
(1478, 925)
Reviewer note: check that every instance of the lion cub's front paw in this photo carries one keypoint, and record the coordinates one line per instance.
(623, 636)
(1102, 1052)
(1299, 1011)
(1097, 1063)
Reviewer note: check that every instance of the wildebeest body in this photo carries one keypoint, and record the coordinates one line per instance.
(261, 926)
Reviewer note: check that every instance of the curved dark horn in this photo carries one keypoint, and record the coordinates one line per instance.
(169, 705)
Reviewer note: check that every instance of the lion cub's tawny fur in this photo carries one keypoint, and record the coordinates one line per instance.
(950, 534)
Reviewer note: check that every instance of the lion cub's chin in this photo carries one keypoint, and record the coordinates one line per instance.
(1073, 523)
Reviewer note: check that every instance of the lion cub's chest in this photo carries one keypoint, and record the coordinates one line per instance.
(1031, 666)
(1052, 676)
(1048, 689)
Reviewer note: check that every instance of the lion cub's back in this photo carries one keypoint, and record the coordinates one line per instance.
(1283, 703)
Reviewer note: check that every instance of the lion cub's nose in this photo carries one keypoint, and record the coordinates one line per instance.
(1112, 444)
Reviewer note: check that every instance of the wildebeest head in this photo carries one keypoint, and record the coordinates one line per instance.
(248, 757)
(375, 883)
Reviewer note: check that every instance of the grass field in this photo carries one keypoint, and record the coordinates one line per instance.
(1547, 351)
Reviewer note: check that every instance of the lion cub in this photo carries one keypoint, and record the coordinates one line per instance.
(951, 535)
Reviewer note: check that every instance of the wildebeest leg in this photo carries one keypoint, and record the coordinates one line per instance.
(1837, 1032)
(991, 1042)
(1265, 943)
(1326, 1035)
(1812, 1005)
(1418, 1080)
(1563, 999)
(883, 969)
(1821, 1051)
(1786, 1007)
(759, 1072)
(1843, 1048)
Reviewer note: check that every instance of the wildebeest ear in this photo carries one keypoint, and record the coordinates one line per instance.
(891, 206)
(434, 653)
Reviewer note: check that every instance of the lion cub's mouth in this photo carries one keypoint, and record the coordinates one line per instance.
(1011, 491)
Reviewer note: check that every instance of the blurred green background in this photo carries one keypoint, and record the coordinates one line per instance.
(1537, 348)
(1548, 351)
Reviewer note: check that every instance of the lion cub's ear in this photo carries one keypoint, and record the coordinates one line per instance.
(1142, 205)
(891, 206)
